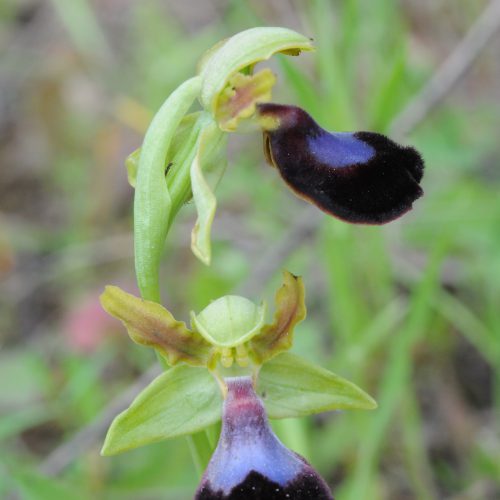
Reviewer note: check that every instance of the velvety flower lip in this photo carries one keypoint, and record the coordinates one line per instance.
(250, 462)
(359, 177)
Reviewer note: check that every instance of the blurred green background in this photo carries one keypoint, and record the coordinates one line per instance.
(409, 311)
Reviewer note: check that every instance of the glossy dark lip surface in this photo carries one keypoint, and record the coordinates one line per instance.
(379, 187)
(258, 487)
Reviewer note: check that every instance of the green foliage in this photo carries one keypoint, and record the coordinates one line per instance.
(153, 202)
(211, 157)
(374, 56)
(34, 486)
(185, 400)
(182, 400)
(172, 405)
(293, 387)
(156, 202)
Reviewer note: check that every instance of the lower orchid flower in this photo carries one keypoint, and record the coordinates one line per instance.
(230, 355)
(250, 462)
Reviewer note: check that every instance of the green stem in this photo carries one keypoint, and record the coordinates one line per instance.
(201, 450)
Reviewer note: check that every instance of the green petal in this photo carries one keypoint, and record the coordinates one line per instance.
(229, 321)
(150, 324)
(290, 310)
(240, 51)
(183, 400)
(293, 387)
(152, 203)
(211, 158)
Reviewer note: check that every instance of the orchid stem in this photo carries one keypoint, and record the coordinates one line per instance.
(201, 450)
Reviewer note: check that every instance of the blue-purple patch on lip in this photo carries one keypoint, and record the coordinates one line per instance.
(359, 177)
(250, 462)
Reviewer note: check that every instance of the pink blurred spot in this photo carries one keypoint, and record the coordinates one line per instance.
(87, 325)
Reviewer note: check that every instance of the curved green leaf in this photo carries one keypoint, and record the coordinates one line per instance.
(152, 202)
(183, 400)
(290, 386)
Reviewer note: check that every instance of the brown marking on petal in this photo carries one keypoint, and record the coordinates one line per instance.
(150, 324)
(239, 98)
(290, 310)
(267, 150)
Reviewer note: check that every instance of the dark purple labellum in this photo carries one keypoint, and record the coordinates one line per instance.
(360, 177)
(250, 462)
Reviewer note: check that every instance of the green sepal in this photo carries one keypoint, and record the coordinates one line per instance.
(207, 168)
(290, 310)
(182, 400)
(290, 386)
(152, 202)
(229, 321)
(179, 146)
(241, 51)
(150, 324)
(183, 151)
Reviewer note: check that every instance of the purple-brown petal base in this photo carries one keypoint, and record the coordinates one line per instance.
(258, 487)
(250, 461)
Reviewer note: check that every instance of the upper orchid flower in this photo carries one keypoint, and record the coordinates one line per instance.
(359, 177)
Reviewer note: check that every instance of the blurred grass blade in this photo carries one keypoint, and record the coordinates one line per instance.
(304, 89)
(80, 21)
(397, 373)
(416, 453)
(337, 103)
(387, 99)
(33, 486)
